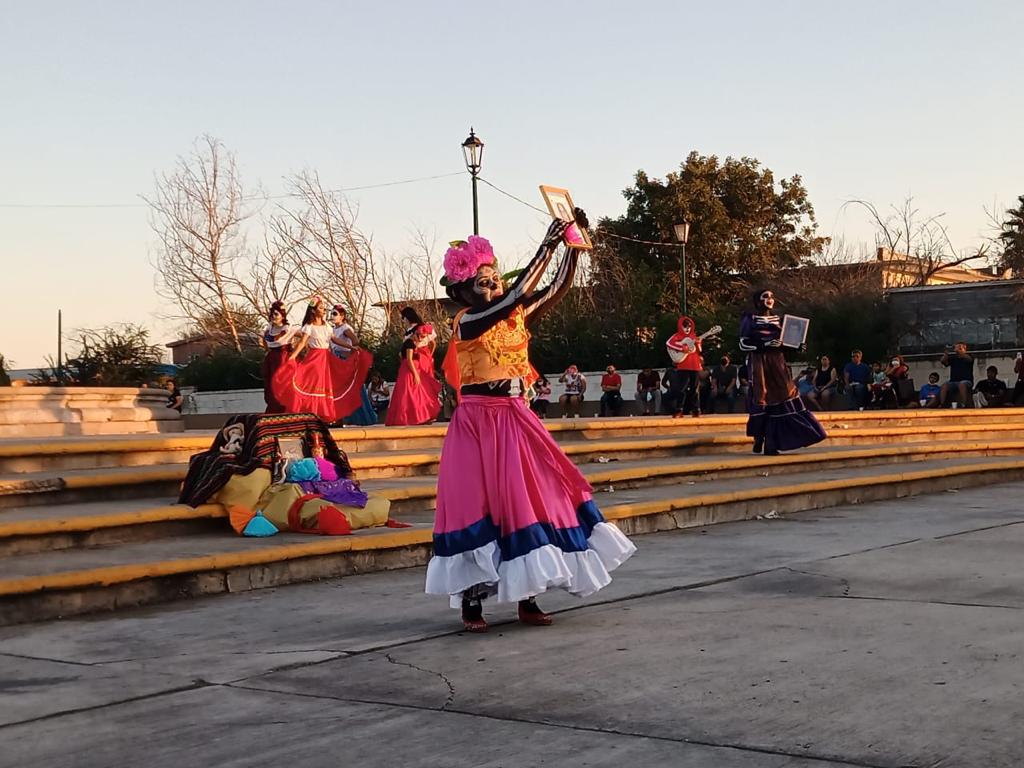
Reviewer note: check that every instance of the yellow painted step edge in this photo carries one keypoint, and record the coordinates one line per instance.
(99, 577)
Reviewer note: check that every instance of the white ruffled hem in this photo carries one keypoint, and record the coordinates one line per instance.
(579, 573)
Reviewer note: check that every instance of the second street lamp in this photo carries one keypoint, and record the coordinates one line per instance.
(682, 235)
(473, 152)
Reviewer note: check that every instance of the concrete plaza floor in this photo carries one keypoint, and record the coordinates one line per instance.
(889, 634)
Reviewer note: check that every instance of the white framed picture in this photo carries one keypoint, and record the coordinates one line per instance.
(794, 331)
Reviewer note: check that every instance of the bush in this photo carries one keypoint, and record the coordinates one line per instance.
(224, 368)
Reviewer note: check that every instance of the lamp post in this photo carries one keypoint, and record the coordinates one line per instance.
(682, 235)
(473, 152)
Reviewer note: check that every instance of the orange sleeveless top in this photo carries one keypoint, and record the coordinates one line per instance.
(499, 353)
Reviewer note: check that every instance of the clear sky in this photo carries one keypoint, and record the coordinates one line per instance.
(873, 99)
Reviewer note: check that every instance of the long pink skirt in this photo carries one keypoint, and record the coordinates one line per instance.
(515, 516)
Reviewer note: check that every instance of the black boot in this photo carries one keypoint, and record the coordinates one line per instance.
(758, 444)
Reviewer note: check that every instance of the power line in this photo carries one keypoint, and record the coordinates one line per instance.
(597, 233)
(253, 197)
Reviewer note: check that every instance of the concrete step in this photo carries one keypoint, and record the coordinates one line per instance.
(67, 453)
(146, 480)
(65, 526)
(50, 584)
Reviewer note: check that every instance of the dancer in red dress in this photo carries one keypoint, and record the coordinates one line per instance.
(415, 398)
(277, 339)
(321, 383)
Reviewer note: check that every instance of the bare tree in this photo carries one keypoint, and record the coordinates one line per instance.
(197, 213)
(317, 247)
(916, 243)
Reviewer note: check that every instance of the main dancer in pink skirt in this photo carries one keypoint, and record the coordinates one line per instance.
(514, 516)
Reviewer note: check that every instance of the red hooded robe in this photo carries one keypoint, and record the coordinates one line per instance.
(684, 347)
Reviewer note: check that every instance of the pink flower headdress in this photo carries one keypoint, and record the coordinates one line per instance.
(465, 257)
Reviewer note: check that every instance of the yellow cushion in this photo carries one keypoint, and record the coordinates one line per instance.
(276, 501)
(374, 513)
(244, 490)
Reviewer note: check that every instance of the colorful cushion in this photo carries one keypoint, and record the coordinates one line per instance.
(373, 514)
(244, 490)
(259, 526)
(302, 469)
(276, 501)
(328, 471)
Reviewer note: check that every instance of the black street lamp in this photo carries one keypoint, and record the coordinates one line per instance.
(682, 235)
(473, 151)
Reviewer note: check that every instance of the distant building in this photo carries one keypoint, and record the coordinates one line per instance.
(986, 315)
(898, 270)
(184, 351)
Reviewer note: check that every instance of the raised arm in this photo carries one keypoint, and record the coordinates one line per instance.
(477, 320)
(547, 297)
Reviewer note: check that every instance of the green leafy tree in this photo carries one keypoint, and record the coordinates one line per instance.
(225, 368)
(1011, 239)
(741, 223)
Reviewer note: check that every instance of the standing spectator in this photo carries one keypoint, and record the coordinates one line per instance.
(542, 397)
(611, 392)
(744, 378)
(648, 391)
(1018, 388)
(961, 375)
(575, 386)
(724, 377)
(671, 400)
(857, 377)
(826, 382)
(991, 391)
(930, 392)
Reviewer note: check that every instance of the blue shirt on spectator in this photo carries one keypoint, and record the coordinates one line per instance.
(858, 373)
(928, 391)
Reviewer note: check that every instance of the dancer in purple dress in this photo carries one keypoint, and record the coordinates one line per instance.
(778, 420)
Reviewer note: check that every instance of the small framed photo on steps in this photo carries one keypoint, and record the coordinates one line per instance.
(560, 204)
(794, 331)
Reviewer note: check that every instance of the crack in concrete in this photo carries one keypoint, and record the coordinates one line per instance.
(778, 752)
(43, 658)
(451, 687)
(953, 603)
(979, 530)
(193, 686)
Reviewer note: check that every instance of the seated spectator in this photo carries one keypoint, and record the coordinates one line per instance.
(575, 386)
(991, 391)
(930, 392)
(857, 378)
(611, 392)
(885, 387)
(380, 392)
(174, 398)
(826, 384)
(648, 391)
(805, 386)
(541, 397)
(961, 375)
(1018, 388)
(879, 383)
(724, 378)
(898, 372)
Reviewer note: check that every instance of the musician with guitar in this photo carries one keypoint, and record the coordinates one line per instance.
(684, 349)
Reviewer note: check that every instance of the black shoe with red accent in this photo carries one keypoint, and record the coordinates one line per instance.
(530, 613)
(473, 616)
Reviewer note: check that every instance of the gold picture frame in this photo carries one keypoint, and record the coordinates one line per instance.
(560, 205)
